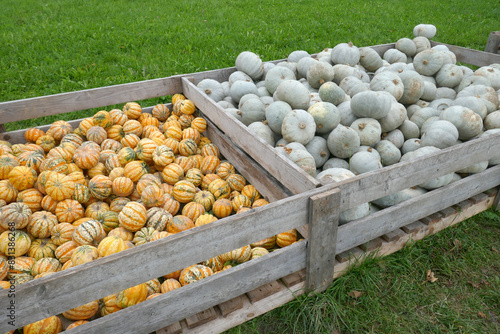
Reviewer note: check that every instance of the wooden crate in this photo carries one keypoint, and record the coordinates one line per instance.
(313, 204)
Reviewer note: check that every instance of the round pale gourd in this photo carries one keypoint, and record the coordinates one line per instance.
(473, 103)
(225, 104)
(422, 43)
(318, 148)
(238, 76)
(298, 126)
(388, 82)
(495, 160)
(331, 92)
(423, 114)
(396, 137)
(303, 66)
(430, 91)
(440, 104)
(492, 121)
(236, 113)
(251, 64)
(445, 93)
(325, 115)
(409, 129)
(352, 85)
(276, 75)
(343, 141)
(468, 123)
(295, 56)
(252, 110)
(407, 46)
(346, 114)
(394, 56)
(240, 88)
(491, 73)
(371, 104)
(293, 93)
(411, 144)
(368, 130)
(246, 97)
(262, 131)
(486, 93)
(389, 153)
(425, 30)
(267, 67)
(449, 76)
(475, 168)
(212, 88)
(428, 62)
(263, 92)
(335, 163)
(413, 87)
(393, 120)
(341, 71)
(275, 113)
(399, 197)
(319, 73)
(440, 134)
(291, 66)
(363, 162)
(370, 59)
(345, 53)
(301, 157)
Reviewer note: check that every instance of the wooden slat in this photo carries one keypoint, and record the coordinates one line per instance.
(371, 245)
(393, 235)
(349, 254)
(193, 298)
(231, 305)
(201, 318)
(264, 291)
(289, 174)
(365, 229)
(472, 57)
(323, 225)
(295, 278)
(493, 43)
(62, 291)
(18, 110)
(370, 186)
(414, 227)
(174, 328)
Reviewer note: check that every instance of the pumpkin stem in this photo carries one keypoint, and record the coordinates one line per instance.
(350, 44)
(302, 125)
(361, 126)
(208, 91)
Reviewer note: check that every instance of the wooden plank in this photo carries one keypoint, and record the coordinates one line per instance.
(365, 229)
(323, 225)
(201, 318)
(370, 186)
(431, 219)
(464, 205)
(382, 48)
(295, 278)
(371, 245)
(193, 298)
(472, 57)
(41, 298)
(496, 202)
(352, 253)
(493, 43)
(289, 174)
(447, 212)
(478, 198)
(18, 110)
(264, 291)
(393, 235)
(174, 328)
(414, 227)
(253, 172)
(231, 305)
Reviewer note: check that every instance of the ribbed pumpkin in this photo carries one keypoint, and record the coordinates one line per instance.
(210, 149)
(177, 97)
(109, 305)
(185, 162)
(32, 134)
(81, 193)
(132, 296)
(15, 215)
(22, 177)
(7, 163)
(222, 207)
(267, 243)
(69, 210)
(32, 198)
(117, 172)
(59, 187)
(258, 252)
(144, 235)
(286, 238)
(7, 191)
(205, 219)
(161, 112)
(190, 133)
(174, 132)
(22, 265)
(239, 255)
(133, 216)
(50, 325)
(132, 127)
(98, 169)
(4, 268)
(250, 192)
(163, 155)
(62, 233)
(240, 201)
(209, 164)
(118, 116)
(42, 248)
(41, 223)
(31, 159)
(173, 144)
(205, 198)
(86, 157)
(259, 202)
(219, 188)
(130, 140)
(46, 142)
(122, 233)
(103, 119)
(111, 245)
(179, 223)
(122, 186)
(134, 170)
(54, 164)
(160, 234)
(187, 147)
(83, 254)
(152, 196)
(132, 109)
(65, 251)
(169, 285)
(207, 179)
(96, 134)
(215, 263)
(76, 324)
(194, 273)
(199, 124)
(185, 122)
(88, 233)
(118, 203)
(171, 204)
(158, 218)
(46, 264)
(49, 204)
(100, 187)
(224, 170)
(93, 209)
(82, 312)
(112, 162)
(193, 210)
(116, 132)
(108, 219)
(184, 191)
(184, 107)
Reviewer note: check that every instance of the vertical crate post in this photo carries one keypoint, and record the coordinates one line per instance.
(323, 224)
(493, 43)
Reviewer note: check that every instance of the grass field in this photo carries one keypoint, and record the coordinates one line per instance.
(51, 47)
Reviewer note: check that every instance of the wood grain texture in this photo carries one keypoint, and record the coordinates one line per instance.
(19, 110)
(323, 224)
(393, 235)
(174, 328)
(472, 57)
(295, 278)
(193, 298)
(62, 291)
(493, 43)
(362, 230)
(370, 186)
(264, 291)
(289, 174)
(231, 305)
(201, 318)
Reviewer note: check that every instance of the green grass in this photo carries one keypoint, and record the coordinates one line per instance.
(397, 298)
(53, 47)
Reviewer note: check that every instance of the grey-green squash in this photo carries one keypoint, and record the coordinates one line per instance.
(352, 86)
(343, 141)
(407, 46)
(389, 153)
(319, 73)
(275, 113)
(252, 110)
(326, 116)
(368, 130)
(364, 162)
(370, 59)
(212, 89)
(251, 64)
(425, 30)
(240, 88)
(298, 126)
(276, 75)
(389, 82)
(293, 93)
(468, 123)
(262, 131)
(371, 104)
(331, 92)
(393, 120)
(318, 148)
(440, 134)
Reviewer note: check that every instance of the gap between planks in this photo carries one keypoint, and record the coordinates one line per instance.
(292, 286)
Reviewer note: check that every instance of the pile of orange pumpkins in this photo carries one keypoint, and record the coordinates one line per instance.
(123, 178)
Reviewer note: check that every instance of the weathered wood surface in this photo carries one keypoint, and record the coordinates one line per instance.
(323, 224)
(201, 318)
(18, 110)
(193, 298)
(365, 229)
(472, 57)
(373, 185)
(264, 291)
(60, 292)
(292, 176)
(493, 43)
(230, 306)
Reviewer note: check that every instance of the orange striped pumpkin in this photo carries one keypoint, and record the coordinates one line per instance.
(32, 198)
(286, 238)
(267, 243)
(163, 155)
(83, 254)
(81, 194)
(41, 223)
(103, 119)
(82, 312)
(240, 201)
(250, 192)
(194, 273)
(185, 162)
(152, 196)
(118, 203)
(134, 170)
(111, 245)
(260, 202)
(215, 263)
(116, 132)
(179, 223)
(15, 215)
(219, 188)
(97, 134)
(173, 144)
(122, 186)
(62, 233)
(100, 187)
(225, 169)
(59, 187)
(42, 248)
(144, 235)
(132, 296)
(132, 109)
(118, 116)
(184, 107)
(193, 210)
(109, 305)
(133, 216)
(177, 97)
(111, 144)
(184, 191)
(169, 285)
(222, 208)
(205, 219)
(122, 233)
(185, 121)
(32, 134)
(187, 147)
(171, 204)
(210, 149)
(8, 192)
(22, 177)
(86, 157)
(76, 324)
(161, 112)
(69, 210)
(130, 140)
(86, 124)
(239, 255)
(65, 251)
(46, 264)
(174, 132)
(48, 325)
(7, 163)
(209, 164)
(49, 204)
(191, 133)
(89, 232)
(132, 127)
(199, 124)
(172, 173)
(59, 129)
